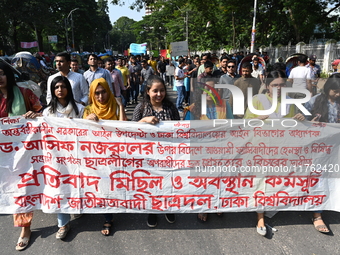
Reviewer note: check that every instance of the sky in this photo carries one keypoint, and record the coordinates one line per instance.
(116, 11)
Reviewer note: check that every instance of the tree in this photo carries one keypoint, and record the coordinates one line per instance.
(277, 21)
(35, 20)
(122, 33)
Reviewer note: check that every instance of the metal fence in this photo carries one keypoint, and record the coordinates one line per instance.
(314, 48)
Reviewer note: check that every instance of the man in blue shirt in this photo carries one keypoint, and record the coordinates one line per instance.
(96, 72)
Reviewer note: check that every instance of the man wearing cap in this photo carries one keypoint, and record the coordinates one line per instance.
(335, 66)
(315, 71)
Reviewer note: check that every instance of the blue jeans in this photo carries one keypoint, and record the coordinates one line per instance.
(123, 99)
(142, 88)
(134, 90)
(162, 75)
(63, 219)
(180, 97)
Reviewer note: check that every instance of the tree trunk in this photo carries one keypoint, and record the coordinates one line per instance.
(15, 36)
(234, 30)
(39, 38)
(296, 29)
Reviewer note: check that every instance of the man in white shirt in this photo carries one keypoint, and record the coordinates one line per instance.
(258, 71)
(79, 85)
(300, 77)
(170, 71)
(179, 82)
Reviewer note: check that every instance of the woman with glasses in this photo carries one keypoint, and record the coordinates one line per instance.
(215, 109)
(275, 79)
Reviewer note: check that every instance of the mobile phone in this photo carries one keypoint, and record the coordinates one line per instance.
(317, 116)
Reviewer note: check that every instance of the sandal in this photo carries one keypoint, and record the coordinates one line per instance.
(321, 228)
(106, 227)
(202, 217)
(22, 243)
(261, 230)
(62, 232)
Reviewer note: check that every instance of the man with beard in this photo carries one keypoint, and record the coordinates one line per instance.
(229, 78)
(258, 71)
(315, 71)
(223, 67)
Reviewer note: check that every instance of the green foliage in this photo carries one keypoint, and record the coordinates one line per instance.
(30, 20)
(324, 75)
(277, 22)
(122, 34)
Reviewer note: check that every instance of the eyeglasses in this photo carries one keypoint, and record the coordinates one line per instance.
(278, 85)
(231, 66)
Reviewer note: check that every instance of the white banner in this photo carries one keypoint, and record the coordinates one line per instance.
(80, 166)
(179, 48)
(53, 39)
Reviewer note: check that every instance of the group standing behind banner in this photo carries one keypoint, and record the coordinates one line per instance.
(155, 107)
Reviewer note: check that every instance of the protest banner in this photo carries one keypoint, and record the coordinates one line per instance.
(164, 53)
(27, 45)
(53, 39)
(179, 48)
(136, 48)
(80, 166)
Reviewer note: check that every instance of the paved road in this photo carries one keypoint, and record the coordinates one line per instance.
(234, 233)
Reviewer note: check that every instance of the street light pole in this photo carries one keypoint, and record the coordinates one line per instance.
(72, 26)
(253, 30)
(186, 27)
(66, 33)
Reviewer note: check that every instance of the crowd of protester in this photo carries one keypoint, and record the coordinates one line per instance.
(110, 84)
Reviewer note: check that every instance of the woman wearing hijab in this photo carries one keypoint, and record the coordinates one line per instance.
(103, 106)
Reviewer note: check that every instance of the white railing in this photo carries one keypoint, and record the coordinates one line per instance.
(326, 53)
